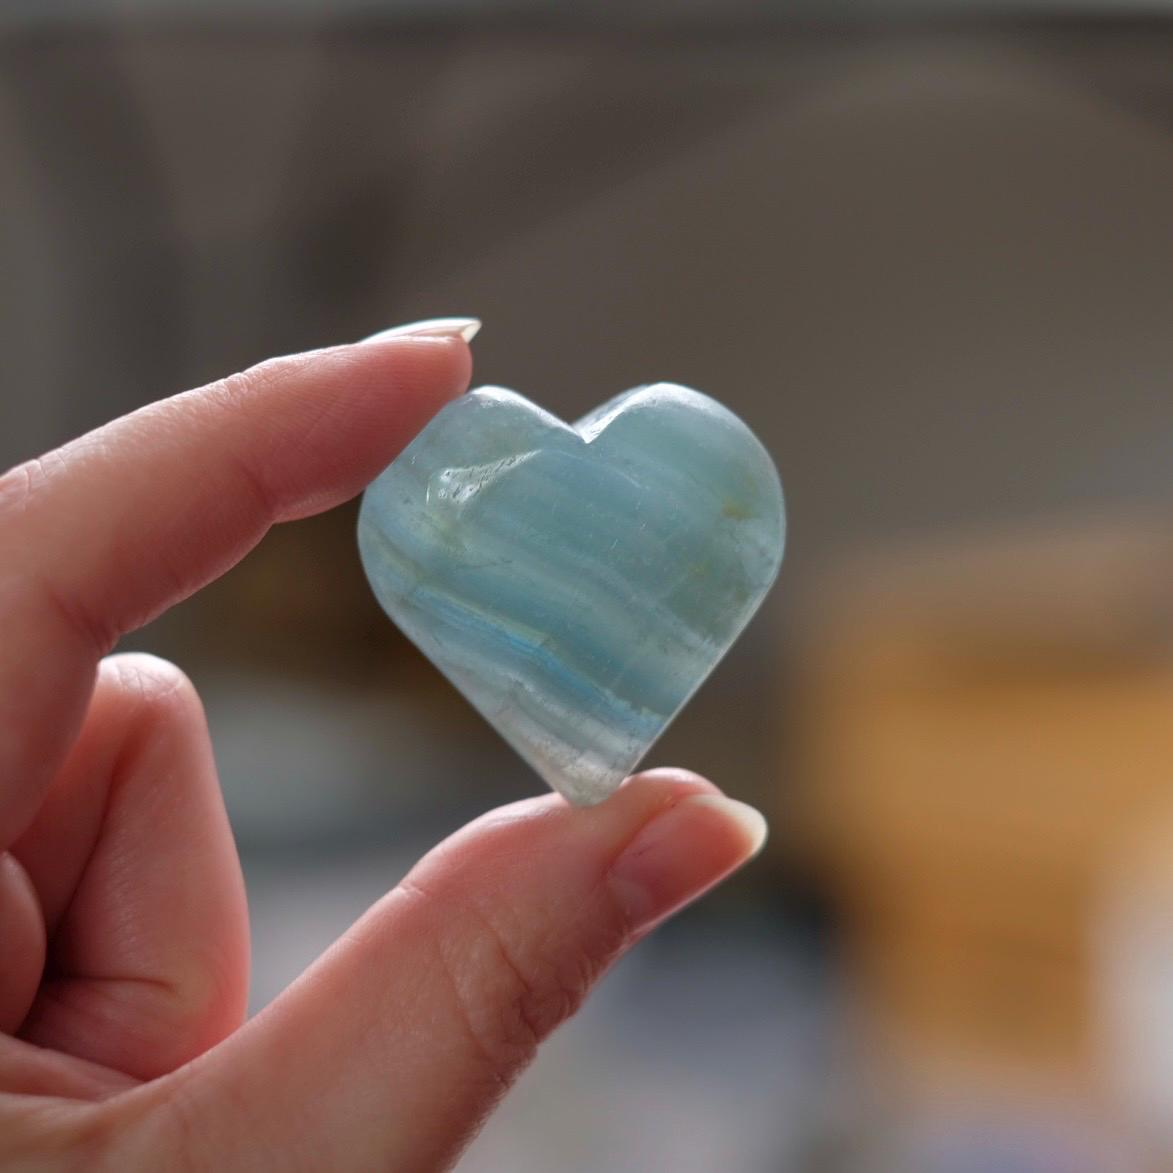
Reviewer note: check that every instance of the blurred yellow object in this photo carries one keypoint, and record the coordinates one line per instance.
(987, 720)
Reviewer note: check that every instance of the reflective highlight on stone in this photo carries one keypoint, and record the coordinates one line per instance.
(576, 583)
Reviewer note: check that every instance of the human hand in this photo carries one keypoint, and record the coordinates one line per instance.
(123, 928)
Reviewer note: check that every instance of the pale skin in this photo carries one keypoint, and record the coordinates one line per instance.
(124, 939)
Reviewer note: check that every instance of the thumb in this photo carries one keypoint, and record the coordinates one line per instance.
(391, 1049)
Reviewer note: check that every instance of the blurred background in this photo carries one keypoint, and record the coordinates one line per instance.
(927, 253)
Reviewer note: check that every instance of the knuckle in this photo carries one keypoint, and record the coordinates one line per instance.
(22, 485)
(242, 386)
(39, 594)
(62, 1136)
(70, 612)
(143, 1131)
(239, 386)
(173, 1128)
(252, 481)
(101, 1138)
(19, 485)
(510, 990)
(545, 994)
(532, 996)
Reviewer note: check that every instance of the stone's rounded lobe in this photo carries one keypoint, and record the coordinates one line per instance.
(576, 583)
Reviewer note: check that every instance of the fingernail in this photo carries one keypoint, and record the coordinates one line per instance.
(465, 328)
(682, 853)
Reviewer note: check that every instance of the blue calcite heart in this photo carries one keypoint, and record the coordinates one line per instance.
(577, 584)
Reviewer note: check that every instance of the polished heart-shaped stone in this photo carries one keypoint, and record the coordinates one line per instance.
(576, 583)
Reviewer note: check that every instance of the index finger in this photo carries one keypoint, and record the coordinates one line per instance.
(99, 536)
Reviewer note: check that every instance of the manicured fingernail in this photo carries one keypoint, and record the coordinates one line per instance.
(465, 328)
(682, 853)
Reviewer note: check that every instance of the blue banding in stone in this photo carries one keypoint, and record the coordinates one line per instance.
(577, 584)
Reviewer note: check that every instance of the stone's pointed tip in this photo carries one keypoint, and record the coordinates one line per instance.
(584, 795)
(465, 329)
